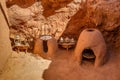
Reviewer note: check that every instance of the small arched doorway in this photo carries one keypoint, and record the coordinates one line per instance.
(45, 46)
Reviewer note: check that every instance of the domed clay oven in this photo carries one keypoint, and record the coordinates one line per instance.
(93, 41)
(46, 46)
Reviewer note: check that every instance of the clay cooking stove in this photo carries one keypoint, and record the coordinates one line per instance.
(91, 45)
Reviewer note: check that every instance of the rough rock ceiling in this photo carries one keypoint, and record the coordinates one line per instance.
(30, 18)
(49, 5)
(21, 3)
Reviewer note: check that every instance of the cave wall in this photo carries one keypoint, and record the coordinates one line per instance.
(101, 14)
(68, 17)
(5, 46)
(21, 3)
(31, 19)
(49, 5)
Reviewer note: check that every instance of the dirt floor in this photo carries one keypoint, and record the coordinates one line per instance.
(31, 67)
(62, 68)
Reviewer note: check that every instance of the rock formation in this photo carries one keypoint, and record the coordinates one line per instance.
(70, 16)
(101, 14)
(21, 3)
(49, 5)
(30, 21)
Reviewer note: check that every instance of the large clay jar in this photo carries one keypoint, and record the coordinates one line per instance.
(91, 39)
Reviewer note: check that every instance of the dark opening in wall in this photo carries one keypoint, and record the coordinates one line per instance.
(45, 47)
(90, 30)
(88, 55)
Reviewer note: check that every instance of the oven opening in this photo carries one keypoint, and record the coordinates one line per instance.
(88, 56)
(45, 47)
(90, 30)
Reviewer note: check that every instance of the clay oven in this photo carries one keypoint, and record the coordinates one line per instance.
(92, 41)
(45, 47)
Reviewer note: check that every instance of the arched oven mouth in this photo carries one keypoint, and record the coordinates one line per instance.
(88, 55)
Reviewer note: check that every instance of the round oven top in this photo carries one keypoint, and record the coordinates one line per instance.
(45, 37)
